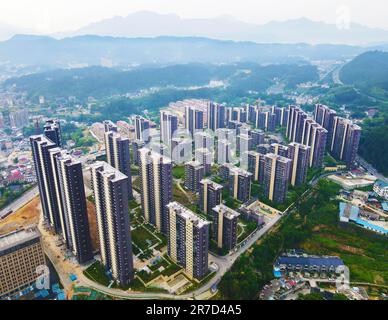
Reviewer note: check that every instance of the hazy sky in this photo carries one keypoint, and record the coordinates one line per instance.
(50, 16)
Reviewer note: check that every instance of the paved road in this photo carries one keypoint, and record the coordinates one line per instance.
(223, 263)
(21, 201)
(371, 170)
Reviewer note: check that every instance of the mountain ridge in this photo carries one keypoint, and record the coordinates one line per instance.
(110, 51)
(148, 23)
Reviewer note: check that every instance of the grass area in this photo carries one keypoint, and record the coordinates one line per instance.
(249, 227)
(180, 196)
(143, 238)
(170, 269)
(136, 184)
(232, 203)
(91, 199)
(96, 272)
(213, 247)
(329, 161)
(133, 205)
(9, 195)
(178, 172)
(314, 227)
(82, 293)
(204, 281)
(217, 179)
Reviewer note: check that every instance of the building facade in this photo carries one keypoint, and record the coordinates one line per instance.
(300, 156)
(224, 227)
(110, 188)
(240, 184)
(168, 126)
(194, 173)
(155, 173)
(345, 141)
(210, 195)
(118, 155)
(21, 253)
(276, 177)
(188, 240)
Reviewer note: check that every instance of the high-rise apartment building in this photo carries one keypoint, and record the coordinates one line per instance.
(110, 188)
(236, 114)
(194, 119)
(280, 116)
(315, 136)
(256, 164)
(224, 151)
(41, 147)
(194, 173)
(295, 122)
(118, 155)
(279, 149)
(203, 139)
(324, 116)
(346, 138)
(110, 126)
(204, 157)
(216, 116)
(276, 177)
(168, 126)
(188, 240)
(142, 128)
(71, 197)
(19, 119)
(224, 227)
(244, 143)
(258, 137)
(155, 173)
(240, 184)
(52, 130)
(210, 195)
(136, 146)
(300, 156)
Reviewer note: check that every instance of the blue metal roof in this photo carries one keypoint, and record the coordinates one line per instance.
(374, 227)
(310, 261)
(381, 184)
(385, 206)
(354, 211)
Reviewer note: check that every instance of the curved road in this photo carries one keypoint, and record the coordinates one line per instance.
(20, 202)
(223, 263)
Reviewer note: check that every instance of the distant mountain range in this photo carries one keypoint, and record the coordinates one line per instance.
(84, 51)
(303, 30)
(101, 82)
(7, 31)
(369, 70)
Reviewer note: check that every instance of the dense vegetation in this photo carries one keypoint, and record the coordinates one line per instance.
(367, 70)
(374, 142)
(315, 229)
(8, 195)
(69, 132)
(103, 82)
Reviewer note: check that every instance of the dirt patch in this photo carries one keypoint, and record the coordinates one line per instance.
(319, 228)
(93, 225)
(25, 216)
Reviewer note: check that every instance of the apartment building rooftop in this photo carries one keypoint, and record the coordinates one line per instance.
(226, 211)
(215, 185)
(187, 214)
(18, 237)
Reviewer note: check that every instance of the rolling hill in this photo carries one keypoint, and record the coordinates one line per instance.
(151, 24)
(103, 82)
(84, 51)
(369, 69)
